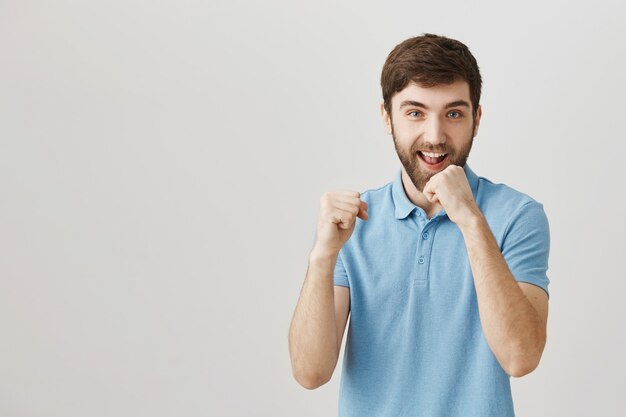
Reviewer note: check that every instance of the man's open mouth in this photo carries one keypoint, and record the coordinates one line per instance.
(432, 158)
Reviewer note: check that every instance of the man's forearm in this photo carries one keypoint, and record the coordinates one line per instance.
(510, 323)
(313, 335)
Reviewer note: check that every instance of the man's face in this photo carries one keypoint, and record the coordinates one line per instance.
(432, 128)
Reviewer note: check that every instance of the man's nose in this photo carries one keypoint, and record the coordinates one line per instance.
(433, 131)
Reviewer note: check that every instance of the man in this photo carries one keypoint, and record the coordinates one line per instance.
(443, 272)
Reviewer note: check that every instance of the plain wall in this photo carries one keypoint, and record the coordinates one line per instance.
(161, 168)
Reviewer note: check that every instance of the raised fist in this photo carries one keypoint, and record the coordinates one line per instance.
(338, 213)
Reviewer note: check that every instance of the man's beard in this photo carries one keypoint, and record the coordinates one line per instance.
(419, 176)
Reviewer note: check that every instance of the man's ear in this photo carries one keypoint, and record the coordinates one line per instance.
(479, 113)
(386, 118)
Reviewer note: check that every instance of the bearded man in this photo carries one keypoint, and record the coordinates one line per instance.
(441, 272)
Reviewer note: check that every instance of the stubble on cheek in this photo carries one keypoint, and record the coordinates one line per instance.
(409, 160)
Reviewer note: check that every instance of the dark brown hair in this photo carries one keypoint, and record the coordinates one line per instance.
(429, 60)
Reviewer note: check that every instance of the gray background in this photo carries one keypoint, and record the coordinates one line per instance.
(161, 165)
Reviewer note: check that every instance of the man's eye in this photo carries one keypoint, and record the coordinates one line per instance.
(415, 113)
(454, 114)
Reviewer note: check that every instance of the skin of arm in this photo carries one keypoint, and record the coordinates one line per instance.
(513, 315)
(320, 317)
(318, 323)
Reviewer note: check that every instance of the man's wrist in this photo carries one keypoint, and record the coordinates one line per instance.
(473, 223)
(322, 255)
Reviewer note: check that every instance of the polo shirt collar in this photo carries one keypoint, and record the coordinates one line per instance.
(404, 206)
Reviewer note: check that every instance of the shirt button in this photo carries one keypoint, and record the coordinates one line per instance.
(425, 235)
(421, 259)
(419, 213)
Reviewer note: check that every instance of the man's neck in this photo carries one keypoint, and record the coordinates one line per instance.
(417, 197)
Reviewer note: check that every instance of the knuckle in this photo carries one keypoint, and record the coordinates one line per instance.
(327, 198)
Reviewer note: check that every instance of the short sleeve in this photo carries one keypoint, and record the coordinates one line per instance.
(341, 277)
(526, 245)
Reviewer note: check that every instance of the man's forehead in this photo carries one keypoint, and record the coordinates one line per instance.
(436, 97)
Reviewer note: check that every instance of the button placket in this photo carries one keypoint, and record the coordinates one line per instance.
(424, 247)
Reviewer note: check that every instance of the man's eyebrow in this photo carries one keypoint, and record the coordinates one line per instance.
(413, 103)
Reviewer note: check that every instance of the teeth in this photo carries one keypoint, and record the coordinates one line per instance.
(432, 154)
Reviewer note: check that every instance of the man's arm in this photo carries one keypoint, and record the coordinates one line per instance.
(513, 315)
(320, 317)
(318, 323)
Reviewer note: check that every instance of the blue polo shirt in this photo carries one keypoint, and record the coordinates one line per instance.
(415, 345)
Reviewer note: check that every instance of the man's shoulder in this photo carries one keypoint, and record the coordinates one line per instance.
(501, 199)
(376, 194)
(380, 209)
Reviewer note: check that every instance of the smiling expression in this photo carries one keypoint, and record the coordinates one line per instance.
(432, 128)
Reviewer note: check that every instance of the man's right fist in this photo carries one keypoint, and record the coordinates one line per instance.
(338, 213)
